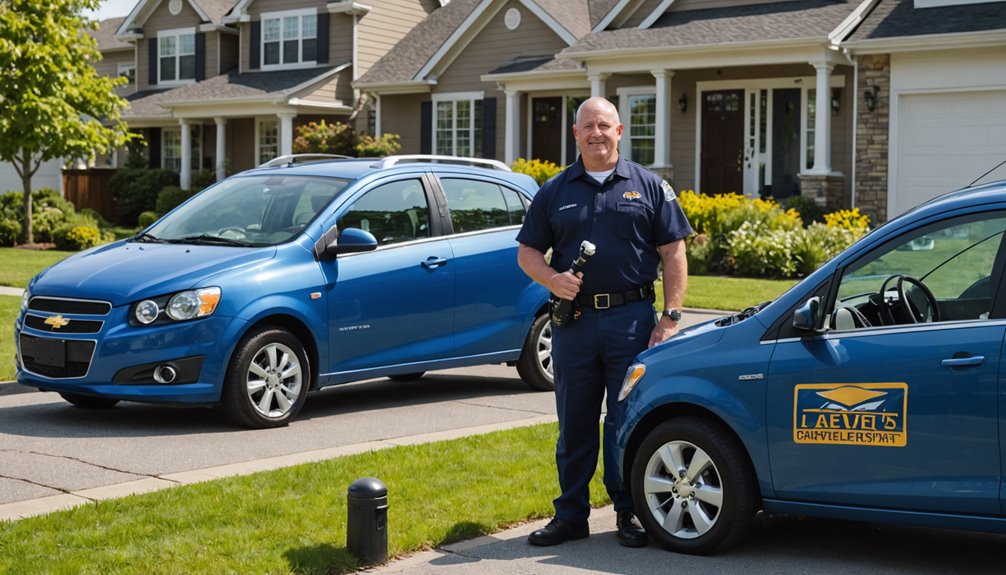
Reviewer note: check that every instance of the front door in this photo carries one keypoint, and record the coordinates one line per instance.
(546, 129)
(722, 142)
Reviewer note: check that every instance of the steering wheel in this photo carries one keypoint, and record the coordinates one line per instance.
(914, 301)
(232, 233)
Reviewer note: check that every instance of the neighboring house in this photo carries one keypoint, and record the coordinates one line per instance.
(222, 85)
(719, 95)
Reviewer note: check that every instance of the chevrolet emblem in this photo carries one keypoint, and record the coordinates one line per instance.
(56, 321)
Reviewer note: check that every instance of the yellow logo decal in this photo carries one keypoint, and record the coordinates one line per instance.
(871, 414)
(56, 321)
(632, 195)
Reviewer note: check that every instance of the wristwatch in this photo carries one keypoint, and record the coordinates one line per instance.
(674, 314)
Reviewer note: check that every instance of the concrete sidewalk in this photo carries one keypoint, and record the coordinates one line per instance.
(7, 290)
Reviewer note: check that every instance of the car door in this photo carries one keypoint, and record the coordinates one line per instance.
(881, 411)
(395, 305)
(494, 295)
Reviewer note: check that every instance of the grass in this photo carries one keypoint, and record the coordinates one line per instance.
(293, 520)
(17, 266)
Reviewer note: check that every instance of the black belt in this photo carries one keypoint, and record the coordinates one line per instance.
(606, 300)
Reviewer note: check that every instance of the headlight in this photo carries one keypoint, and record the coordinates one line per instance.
(192, 304)
(25, 298)
(146, 311)
(632, 377)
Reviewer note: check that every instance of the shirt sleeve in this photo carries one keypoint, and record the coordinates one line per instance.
(671, 223)
(536, 232)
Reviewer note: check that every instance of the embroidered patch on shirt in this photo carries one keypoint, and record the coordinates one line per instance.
(632, 195)
(668, 191)
(567, 206)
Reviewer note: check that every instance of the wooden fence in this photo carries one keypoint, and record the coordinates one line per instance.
(90, 189)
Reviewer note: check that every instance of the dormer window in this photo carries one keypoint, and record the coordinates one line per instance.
(289, 38)
(176, 55)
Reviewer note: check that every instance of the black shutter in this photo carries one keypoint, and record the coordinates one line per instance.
(154, 146)
(322, 39)
(255, 46)
(489, 128)
(426, 128)
(200, 56)
(152, 61)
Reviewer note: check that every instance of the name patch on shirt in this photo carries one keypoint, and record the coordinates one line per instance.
(567, 206)
(668, 191)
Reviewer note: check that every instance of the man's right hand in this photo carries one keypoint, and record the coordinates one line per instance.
(565, 285)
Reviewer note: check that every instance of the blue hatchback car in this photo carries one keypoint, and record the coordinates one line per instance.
(872, 390)
(290, 278)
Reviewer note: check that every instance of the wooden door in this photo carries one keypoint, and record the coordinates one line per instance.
(722, 142)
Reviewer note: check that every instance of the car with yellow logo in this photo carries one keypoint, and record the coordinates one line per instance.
(871, 390)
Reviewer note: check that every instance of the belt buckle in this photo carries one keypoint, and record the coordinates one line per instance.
(597, 301)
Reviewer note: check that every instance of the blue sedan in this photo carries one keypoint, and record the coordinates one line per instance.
(290, 278)
(869, 391)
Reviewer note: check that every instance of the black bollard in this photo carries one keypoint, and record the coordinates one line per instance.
(367, 520)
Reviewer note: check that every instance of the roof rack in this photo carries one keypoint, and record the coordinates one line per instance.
(292, 159)
(432, 158)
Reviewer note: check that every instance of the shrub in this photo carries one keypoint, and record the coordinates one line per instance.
(808, 209)
(201, 180)
(540, 170)
(371, 147)
(76, 237)
(10, 232)
(135, 191)
(146, 219)
(323, 138)
(169, 198)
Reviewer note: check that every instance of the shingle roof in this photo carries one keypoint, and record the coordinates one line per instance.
(899, 19)
(233, 86)
(599, 9)
(803, 19)
(146, 104)
(215, 9)
(537, 64)
(105, 35)
(572, 14)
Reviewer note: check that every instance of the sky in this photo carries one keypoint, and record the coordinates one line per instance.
(113, 8)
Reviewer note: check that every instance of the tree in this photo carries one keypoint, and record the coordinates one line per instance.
(53, 103)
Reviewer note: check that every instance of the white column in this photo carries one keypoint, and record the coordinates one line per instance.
(512, 143)
(597, 85)
(822, 119)
(221, 147)
(662, 136)
(286, 132)
(185, 177)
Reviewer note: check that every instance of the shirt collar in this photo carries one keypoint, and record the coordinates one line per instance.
(577, 169)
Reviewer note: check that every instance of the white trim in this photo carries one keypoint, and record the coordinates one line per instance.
(348, 7)
(568, 37)
(851, 22)
(610, 16)
(625, 114)
(128, 66)
(281, 15)
(656, 14)
(177, 34)
(258, 136)
(455, 97)
(455, 36)
(984, 39)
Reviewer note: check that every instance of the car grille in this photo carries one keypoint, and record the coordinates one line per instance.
(75, 306)
(74, 325)
(54, 357)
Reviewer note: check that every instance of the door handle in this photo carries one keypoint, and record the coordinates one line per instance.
(964, 361)
(434, 262)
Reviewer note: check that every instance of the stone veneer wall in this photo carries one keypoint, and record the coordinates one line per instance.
(872, 138)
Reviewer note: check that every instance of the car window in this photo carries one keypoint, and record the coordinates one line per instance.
(940, 273)
(477, 205)
(394, 212)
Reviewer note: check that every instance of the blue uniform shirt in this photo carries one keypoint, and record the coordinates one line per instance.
(626, 218)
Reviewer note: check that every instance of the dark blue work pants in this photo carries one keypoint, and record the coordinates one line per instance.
(590, 356)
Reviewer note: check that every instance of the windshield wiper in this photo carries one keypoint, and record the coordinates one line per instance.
(208, 239)
(739, 317)
(145, 237)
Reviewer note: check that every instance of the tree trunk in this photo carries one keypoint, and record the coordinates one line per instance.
(26, 173)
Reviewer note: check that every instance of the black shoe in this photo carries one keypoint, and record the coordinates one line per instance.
(630, 532)
(557, 531)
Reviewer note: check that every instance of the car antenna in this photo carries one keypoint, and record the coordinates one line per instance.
(987, 173)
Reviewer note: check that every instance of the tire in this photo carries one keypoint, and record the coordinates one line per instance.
(89, 401)
(708, 502)
(407, 376)
(267, 379)
(535, 363)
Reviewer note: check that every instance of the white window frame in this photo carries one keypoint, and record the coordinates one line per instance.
(625, 94)
(128, 70)
(196, 134)
(281, 16)
(473, 130)
(260, 132)
(177, 34)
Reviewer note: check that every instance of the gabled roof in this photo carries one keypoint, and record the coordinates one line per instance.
(456, 24)
(105, 35)
(787, 21)
(599, 9)
(275, 87)
(210, 11)
(894, 20)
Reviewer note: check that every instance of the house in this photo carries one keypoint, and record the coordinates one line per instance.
(875, 104)
(222, 85)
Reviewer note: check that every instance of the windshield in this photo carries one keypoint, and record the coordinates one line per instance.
(247, 211)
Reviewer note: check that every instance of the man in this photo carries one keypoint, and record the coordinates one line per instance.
(633, 218)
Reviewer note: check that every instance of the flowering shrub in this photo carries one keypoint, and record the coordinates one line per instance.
(73, 238)
(540, 170)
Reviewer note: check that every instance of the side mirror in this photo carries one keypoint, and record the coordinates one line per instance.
(350, 240)
(807, 317)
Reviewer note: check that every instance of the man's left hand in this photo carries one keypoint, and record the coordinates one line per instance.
(664, 329)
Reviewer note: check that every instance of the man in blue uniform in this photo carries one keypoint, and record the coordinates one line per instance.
(633, 218)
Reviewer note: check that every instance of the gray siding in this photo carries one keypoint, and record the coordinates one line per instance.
(383, 27)
(400, 115)
(161, 19)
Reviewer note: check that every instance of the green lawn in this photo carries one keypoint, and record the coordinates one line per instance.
(17, 266)
(293, 520)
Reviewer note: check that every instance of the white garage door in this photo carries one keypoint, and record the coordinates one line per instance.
(946, 141)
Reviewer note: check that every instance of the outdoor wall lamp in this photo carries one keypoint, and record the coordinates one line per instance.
(872, 97)
(836, 100)
(683, 103)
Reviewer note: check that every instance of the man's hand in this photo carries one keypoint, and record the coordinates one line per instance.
(664, 329)
(565, 285)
